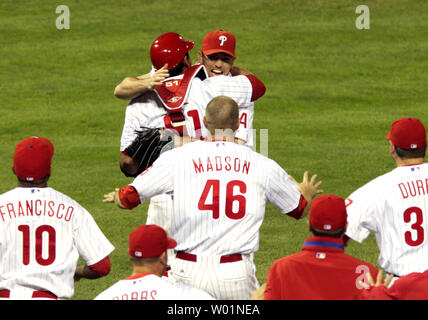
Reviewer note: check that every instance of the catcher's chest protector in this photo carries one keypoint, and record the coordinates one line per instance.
(173, 94)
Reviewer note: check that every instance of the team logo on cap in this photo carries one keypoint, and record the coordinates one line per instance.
(222, 40)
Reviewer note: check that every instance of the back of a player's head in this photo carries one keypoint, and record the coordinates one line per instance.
(328, 216)
(149, 241)
(222, 113)
(32, 159)
(408, 135)
(169, 48)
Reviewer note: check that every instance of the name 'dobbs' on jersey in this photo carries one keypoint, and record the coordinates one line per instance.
(36, 208)
(219, 163)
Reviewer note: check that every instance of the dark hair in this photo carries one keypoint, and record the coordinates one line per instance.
(144, 261)
(33, 183)
(178, 69)
(410, 153)
(335, 233)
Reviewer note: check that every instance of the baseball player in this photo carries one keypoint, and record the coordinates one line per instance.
(322, 270)
(147, 251)
(44, 232)
(179, 104)
(394, 206)
(152, 109)
(217, 55)
(219, 190)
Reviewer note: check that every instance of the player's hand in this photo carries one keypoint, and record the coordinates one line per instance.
(379, 280)
(308, 188)
(78, 273)
(238, 71)
(259, 293)
(109, 197)
(157, 77)
(113, 197)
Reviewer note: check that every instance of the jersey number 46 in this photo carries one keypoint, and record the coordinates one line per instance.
(213, 187)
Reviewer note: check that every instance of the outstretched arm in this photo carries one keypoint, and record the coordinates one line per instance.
(132, 87)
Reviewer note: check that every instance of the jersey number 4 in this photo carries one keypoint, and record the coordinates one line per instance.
(38, 244)
(231, 199)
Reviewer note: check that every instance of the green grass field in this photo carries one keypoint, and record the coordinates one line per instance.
(332, 92)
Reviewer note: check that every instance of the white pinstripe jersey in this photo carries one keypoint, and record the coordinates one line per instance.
(151, 287)
(42, 234)
(219, 193)
(147, 111)
(394, 207)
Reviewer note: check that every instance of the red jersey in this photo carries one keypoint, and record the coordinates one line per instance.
(413, 286)
(321, 271)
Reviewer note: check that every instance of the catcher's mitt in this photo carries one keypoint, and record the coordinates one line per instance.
(147, 147)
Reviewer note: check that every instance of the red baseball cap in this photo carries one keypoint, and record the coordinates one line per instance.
(219, 41)
(407, 133)
(32, 158)
(328, 212)
(149, 241)
(169, 48)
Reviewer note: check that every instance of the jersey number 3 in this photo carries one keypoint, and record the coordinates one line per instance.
(231, 199)
(416, 226)
(38, 243)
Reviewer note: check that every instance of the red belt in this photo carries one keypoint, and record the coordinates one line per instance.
(224, 259)
(36, 294)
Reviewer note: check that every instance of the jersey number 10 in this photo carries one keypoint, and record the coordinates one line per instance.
(38, 244)
(231, 198)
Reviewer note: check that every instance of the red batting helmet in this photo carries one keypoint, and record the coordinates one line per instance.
(169, 48)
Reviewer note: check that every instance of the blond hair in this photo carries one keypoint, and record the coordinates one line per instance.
(222, 113)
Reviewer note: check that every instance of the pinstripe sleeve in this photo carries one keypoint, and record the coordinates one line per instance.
(157, 179)
(92, 244)
(131, 124)
(360, 211)
(281, 191)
